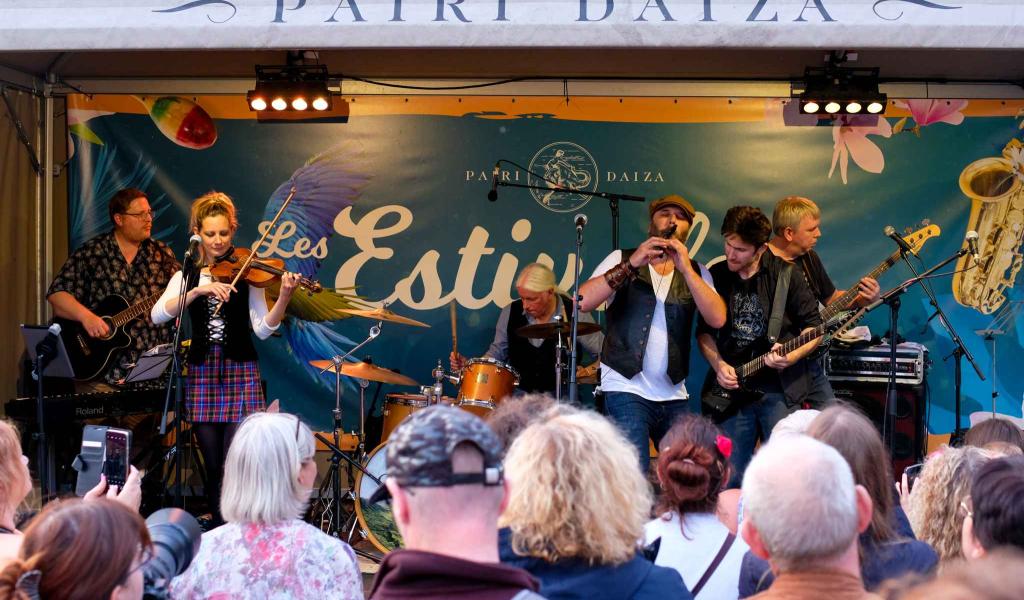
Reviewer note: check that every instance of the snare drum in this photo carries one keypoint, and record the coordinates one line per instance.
(485, 383)
(399, 406)
(376, 520)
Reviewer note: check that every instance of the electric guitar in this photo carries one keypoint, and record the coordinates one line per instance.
(720, 398)
(88, 355)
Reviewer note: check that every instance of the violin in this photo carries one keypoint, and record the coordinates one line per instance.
(259, 272)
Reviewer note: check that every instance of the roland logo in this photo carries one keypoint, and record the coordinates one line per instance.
(89, 412)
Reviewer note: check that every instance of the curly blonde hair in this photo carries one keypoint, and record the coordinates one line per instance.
(576, 491)
(944, 483)
(213, 204)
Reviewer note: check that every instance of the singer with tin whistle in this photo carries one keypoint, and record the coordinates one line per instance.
(652, 293)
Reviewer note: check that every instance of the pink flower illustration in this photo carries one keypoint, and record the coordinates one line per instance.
(926, 112)
(850, 140)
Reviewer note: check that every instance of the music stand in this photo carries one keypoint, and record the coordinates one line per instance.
(58, 365)
(1001, 321)
(151, 364)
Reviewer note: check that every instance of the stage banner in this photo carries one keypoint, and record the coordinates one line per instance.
(391, 208)
(325, 24)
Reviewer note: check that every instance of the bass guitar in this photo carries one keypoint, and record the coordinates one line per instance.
(89, 356)
(720, 398)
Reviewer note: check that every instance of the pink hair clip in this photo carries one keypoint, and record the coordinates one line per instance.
(724, 445)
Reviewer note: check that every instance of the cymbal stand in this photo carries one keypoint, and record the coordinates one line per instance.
(559, 358)
(333, 476)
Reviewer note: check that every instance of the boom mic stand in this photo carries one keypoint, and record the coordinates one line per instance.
(612, 198)
(575, 321)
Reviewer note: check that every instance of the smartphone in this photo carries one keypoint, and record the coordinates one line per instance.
(89, 462)
(912, 473)
(115, 458)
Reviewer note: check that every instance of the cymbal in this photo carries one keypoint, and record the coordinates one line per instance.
(551, 330)
(362, 370)
(381, 314)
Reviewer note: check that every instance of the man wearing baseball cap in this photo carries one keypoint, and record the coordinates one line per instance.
(447, 489)
(652, 293)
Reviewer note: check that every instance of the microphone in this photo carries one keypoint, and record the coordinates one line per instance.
(493, 194)
(972, 245)
(192, 254)
(46, 350)
(581, 221)
(894, 235)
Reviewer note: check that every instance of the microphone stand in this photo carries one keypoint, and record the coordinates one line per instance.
(958, 353)
(575, 320)
(612, 197)
(892, 299)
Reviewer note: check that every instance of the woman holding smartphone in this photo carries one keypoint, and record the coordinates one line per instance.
(223, 384)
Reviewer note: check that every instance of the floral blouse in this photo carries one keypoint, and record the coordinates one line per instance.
(285, 560)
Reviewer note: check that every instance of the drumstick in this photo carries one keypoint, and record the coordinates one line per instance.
(455, 333)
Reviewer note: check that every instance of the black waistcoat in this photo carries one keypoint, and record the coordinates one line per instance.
(237, 342)
(629, 322)
(536, 366)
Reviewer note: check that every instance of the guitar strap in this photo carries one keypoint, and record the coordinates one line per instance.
(779, 303)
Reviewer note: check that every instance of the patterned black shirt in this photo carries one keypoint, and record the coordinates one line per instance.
(98, 269)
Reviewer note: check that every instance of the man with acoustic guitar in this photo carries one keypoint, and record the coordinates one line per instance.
(796, 224)
(759, 314)
(125, 262)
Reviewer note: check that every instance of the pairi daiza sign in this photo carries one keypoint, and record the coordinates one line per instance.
(208, 24)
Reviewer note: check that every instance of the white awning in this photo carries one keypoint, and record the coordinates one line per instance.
(325, 24)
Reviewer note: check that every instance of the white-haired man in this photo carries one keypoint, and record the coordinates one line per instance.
(802, 512)
(448, 489)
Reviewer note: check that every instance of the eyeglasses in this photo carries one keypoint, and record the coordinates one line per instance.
(965, 510)
(146, 215)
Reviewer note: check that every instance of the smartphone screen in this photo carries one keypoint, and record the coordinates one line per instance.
(912, 473)
(116, 458)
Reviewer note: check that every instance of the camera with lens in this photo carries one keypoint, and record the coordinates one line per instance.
(175, 535)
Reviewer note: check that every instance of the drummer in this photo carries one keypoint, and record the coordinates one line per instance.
(539, 301)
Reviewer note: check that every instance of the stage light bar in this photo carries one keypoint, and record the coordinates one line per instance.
(290, 88)
(834, 90)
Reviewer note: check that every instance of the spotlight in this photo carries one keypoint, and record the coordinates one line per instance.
(838, 90)
(291, 87)
(299, 103)
(257, 103)
(278, 103)
(320, 103)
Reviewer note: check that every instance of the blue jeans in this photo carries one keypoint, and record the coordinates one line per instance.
(819, 394)
(746, 426)
(641, 419)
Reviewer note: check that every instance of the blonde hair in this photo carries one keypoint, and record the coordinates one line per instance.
(944, 483)
(11, 474)
(536, 277)
(261, 473)
(576, 491)
(213, 204)
(790, 211)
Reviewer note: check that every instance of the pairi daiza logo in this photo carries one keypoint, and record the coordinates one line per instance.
(563, 165)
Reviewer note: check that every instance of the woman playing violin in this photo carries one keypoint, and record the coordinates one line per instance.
(223, 384)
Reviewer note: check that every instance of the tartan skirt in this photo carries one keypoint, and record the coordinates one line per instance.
(221, 390)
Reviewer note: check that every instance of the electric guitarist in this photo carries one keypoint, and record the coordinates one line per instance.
(748, 282)
(125, 262)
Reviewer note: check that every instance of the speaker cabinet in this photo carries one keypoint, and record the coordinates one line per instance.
(908, 431)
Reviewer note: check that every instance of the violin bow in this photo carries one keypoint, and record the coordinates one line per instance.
(252, 255)
(455, 333)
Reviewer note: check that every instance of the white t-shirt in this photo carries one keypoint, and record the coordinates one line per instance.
(652, 382)
(692, 557)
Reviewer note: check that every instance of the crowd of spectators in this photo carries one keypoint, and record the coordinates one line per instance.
(546, 501)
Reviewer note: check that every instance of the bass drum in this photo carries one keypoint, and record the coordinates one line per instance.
(376, 520)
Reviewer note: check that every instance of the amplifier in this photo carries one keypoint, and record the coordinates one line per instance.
(872, 364)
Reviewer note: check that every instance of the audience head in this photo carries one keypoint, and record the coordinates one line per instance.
(445, 477)
(1000, 449)
(693, 466)
(994, 430)
(944, 483)
(802, 509)
(513, 415)
(857, 440)
(576, 491)
(995, 512)
(15, 481)
(269, 471)
(996, 577)
(796, 422)
(80, 550)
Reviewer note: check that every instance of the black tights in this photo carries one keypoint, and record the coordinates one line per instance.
(214, 440)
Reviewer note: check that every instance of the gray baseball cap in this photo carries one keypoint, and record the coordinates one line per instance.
(419, 452)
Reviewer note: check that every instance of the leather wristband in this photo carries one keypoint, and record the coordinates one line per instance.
(618, 275)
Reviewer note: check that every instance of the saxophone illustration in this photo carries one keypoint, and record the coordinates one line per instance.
(996, 188)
